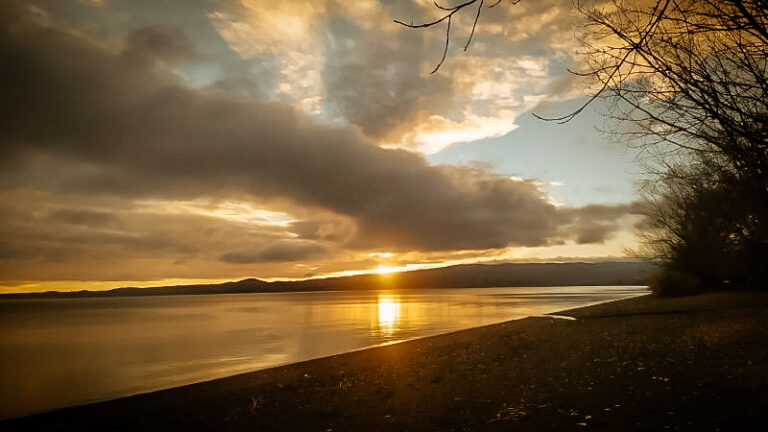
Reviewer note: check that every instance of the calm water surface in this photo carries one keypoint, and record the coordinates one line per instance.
(61, 352)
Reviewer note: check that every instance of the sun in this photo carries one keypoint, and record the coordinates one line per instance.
(386, 269)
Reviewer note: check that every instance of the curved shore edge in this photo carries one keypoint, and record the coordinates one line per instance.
(693, 363)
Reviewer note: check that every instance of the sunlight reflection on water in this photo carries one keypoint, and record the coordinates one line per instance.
(389, 314)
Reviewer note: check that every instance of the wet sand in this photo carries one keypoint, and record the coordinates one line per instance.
(696, 363)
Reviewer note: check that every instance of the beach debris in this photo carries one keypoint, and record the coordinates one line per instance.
(511, 411)
(562, 317)
(345, 382)
(256, 402)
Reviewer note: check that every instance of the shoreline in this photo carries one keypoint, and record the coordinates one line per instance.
(474, 378)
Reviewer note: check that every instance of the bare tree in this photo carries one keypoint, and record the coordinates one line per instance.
(688, 84)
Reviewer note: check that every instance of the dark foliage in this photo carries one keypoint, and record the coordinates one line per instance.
(688, 84)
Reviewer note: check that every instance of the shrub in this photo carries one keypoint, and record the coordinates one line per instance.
(674, 283)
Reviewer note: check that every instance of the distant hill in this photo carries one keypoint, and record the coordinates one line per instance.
(460, 276)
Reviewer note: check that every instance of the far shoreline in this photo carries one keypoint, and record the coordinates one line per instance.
(538, 274)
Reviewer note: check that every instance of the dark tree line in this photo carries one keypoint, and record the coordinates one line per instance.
(686, 81)
(688, 84)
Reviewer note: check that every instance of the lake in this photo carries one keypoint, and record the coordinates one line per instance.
(62, 352)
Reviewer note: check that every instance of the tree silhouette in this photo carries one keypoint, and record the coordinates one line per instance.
(688, 84)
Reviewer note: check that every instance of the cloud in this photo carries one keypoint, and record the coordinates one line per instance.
(106, 154)
(48, 227)
(374, 80)
(85, 217)
(282, 252)
(6, 252)
(289, 31)
(82, 118)
(349, 61)
(377, 80)
(596, 223)
(162, 42)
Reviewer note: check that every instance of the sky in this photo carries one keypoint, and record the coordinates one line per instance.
(178, 141)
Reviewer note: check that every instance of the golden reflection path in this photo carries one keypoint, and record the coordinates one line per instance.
(388, 307)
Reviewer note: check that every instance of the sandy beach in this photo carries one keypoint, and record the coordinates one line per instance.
(694, 363)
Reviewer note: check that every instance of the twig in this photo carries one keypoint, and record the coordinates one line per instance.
(447, 17)
(445, 51)
(474, 24)
(635, 47)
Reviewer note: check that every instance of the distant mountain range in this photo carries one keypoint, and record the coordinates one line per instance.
(460, 276)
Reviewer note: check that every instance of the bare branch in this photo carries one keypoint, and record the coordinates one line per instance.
(607, 82)
(474, 24)
(445, 51)
(437, 5)
(450, 11)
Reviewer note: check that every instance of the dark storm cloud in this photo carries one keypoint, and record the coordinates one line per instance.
(595, 223)
(85, 217)
(6, 251)
(43, 227)
(281, 252)
(162, 42)
(305, 229)
(82, 116)
(188, 24)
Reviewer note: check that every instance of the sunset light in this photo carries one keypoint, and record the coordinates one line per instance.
(455, 178)
(387, 269)
(420, 215)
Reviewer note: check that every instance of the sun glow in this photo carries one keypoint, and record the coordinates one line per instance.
(387, 269)
(389, 313)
